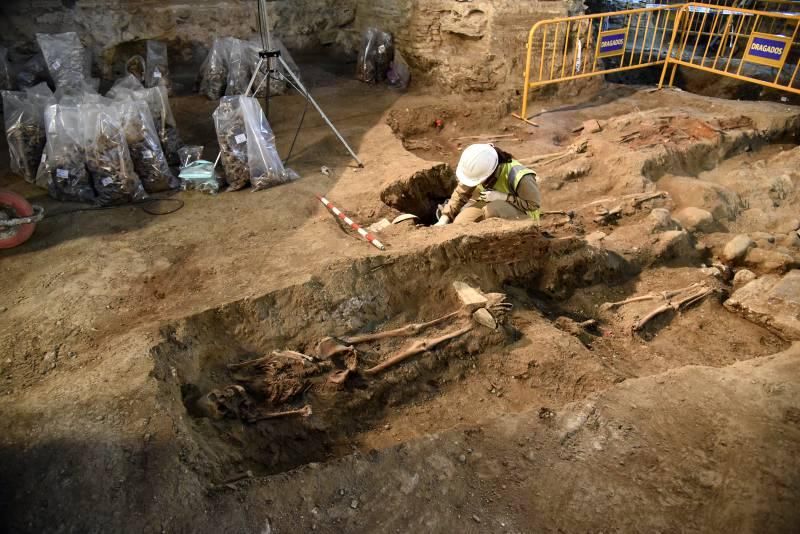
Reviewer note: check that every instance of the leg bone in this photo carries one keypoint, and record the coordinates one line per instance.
(416, 348)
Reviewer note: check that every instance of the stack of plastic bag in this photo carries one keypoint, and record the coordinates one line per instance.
(375, 56)
(163, 119)
(67, 61)
(145, 136)
(148, 158)
(63, 168)
(107, 155)
(247, 145)
(25, 128)
(157, 66)
(231, 64)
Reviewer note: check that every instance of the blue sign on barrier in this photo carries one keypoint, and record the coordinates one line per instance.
(612, 43)
(767, 49)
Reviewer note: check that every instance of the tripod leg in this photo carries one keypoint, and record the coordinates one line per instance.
(308, 96)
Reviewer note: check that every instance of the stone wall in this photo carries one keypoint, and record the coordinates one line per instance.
(464, 46)
(188, 26)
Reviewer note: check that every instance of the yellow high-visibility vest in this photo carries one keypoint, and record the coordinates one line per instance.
(510, 175)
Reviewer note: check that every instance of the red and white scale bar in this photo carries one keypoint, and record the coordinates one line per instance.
(350, 222)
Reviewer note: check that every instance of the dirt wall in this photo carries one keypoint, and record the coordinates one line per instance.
(189, 27)
(460, 46)
(463, 46)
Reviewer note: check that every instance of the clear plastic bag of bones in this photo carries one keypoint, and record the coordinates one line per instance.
(214, 70)
(240, 67)
(247, 143)
(375, 56)
(124, 87)
(136, 67)
(163, 119)
(189, 154)
(107, 154)
(399, 75)
(68, 62)
(263, 161)
(149, 161)
(25, 129)
(232, 138)
(63, 168)
(157, 66)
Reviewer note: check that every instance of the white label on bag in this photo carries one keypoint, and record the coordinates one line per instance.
(106, 181)
(56, 65)
(62, 173)
(44, 157)
(241, 138)
(156, 73)
(146, 154)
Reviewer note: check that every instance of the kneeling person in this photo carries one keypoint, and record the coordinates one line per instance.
(491, 183)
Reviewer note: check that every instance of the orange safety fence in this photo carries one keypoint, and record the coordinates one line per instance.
(754, 46)
(735, 42)
(573, 48)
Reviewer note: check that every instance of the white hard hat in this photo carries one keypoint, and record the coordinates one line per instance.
(477, 163)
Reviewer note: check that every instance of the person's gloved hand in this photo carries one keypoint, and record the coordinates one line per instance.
(490, 196)
(443, 220)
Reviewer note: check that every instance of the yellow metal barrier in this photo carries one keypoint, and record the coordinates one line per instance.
(579, 47)
(754, 46)
(781, 6)
(757, 46)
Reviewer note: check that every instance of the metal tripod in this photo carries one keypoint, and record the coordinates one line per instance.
(298, 86)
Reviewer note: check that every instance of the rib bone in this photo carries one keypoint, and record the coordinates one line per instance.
(677, 305)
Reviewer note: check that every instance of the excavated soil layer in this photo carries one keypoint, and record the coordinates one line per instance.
(554, 283)
(456, 383)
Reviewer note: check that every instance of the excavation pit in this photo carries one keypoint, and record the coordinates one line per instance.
(422, 192)
(463, 381)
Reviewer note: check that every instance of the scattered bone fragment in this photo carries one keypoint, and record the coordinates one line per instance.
(581, 330)
(591, 126)
(329, 347)
(607, 216)
(639, 199)
(676, 305)
(498, 306)
(380, 225)
(483, 317)
(339, 376)
(665, 295)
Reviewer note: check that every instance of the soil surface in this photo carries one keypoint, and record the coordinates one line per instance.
(125, 337)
